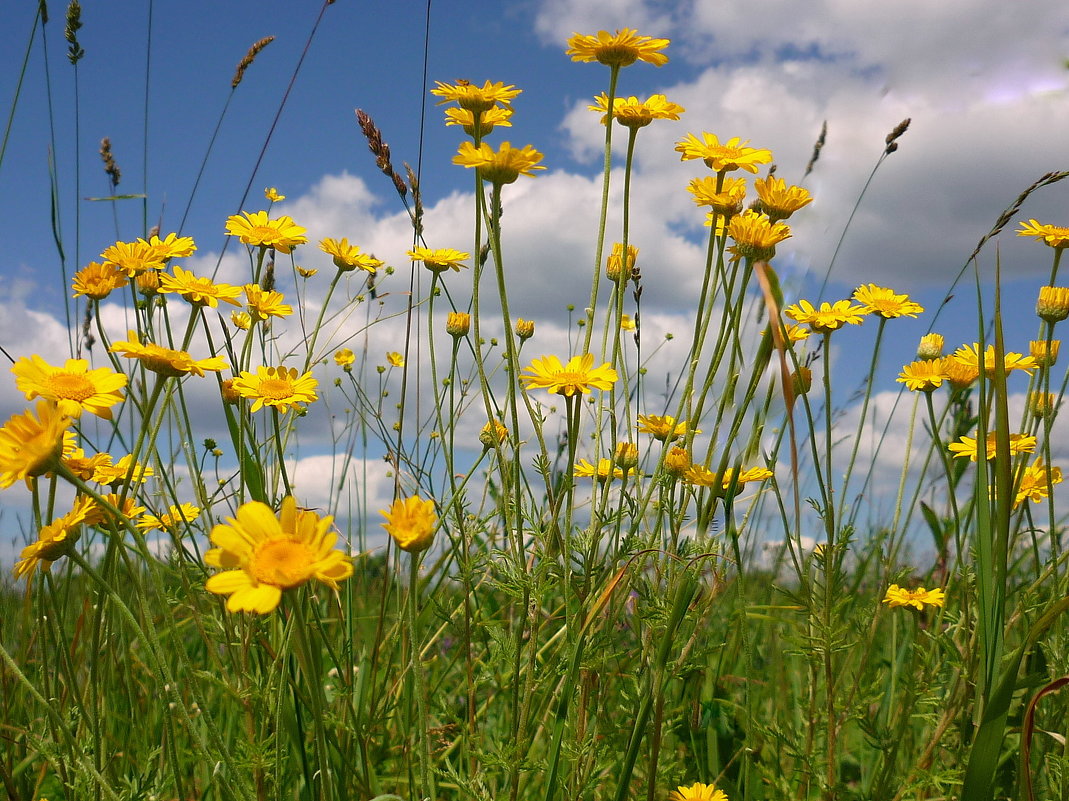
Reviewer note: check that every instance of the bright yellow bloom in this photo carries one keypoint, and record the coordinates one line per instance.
(257, 229)
(148, 282)
(924, 375)
(411, 522)
(132, 258)
(241, 320)
(626, 455)
(899, 596)
(577, 376)
(621, 49)
(31, 443)
(170, 521)
(125, 470)
(171, 246)
(345, 359)
(930, 347)
(634, 113)
(616, 267)
(348, 257)
(166, 362)
(756, 235)
(524, 328)
(1056, 236)
(666, 429)
(697, 792)
(732, 155)
(1043, 404)
(967, 446)
(277, 387)
(306, 272)
(272, 194)
(56, 540)
(502, 166)
(128, 509)
(487, 120)
(81, 465)
(395, 359)
(959, 374)
(627, 323)
(493, 433)
(262, 555)
(778, 200)
(1036, 482)
(727, 202)
(198, 291)
(439, 259)
(885, 303)
(829, 317)
(703, 477)
(1045, 353)
(584, 469)
(796, 333)
(476, 98)
(74, 387)
(1053, 303)
(97, 280)
(263, 304)
(457, 324)
(677, 462)
(969, 355)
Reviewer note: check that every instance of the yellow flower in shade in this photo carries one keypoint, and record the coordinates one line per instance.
(395, 359)
(81, 465)
(924, 375)
(626, 455)
(627, 323)
(271, 193)
(603, 472)
(306, 272)
(885, 303)
(930, 347)
(440, 259)
(493, 433)
(1043, 404)
(229, 395)
(241, 320)
(502, 166)
(171, 246)
(732, 155)
(411, 522)
(166, 362)
(1053, 303)
(259, 230)
(277, 387)
(1045, 353)
(677, 462)
(74, 387)
(899, 596)
(148, 283)
(475, 98)
(265, 303)
(756, 236)
(457, 324)
(577, 376)
(620, 49)
(1036, 482)
(727, 202)
(132, 258)
(969, 355)
(697, 792)
(524, 329)
(348, 257)
(793, 332)
(198, 291)
(634, 113)
(616, 267)
(97, 280)
(778, 200)
(666, 429)
(31, 443)
(345, 359)
(263, 554)
(1056, 236)
(967, 446)
(486, 122)
(122, 471)
(829, 317)
(174, 518)
(56, 540)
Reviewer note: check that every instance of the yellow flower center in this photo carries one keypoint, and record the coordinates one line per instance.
(282, 562)
(261, 233)
(276, 388)
(71, 386)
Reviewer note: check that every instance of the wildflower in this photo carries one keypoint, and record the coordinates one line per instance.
(345, 359)
(476, 98)
(166, 362)
(969, 355)
(829, 317)
(621, 49)
(128, 509)
(1044, 352)
(241, 320)
(411, 523)
(524, 329)
(81, 465)
(885, 303)
(603, 472)
(959, 374)
(478, 126)
(272, 195)
(263, 554)
(627, 323)
(306, 272)
(74, 387)
(616, 267)
(703, 477)
(1036, 482)
(634, 113)
(697, 792)
(56, 540)
(501, 167)
(732, 155)
(457, 324)
(148, 283)
(677, 462)
(228, 393)
(132, 258)
(439, 260)
(967, 446)
(31, 443)
(198, 291)
(123, 471)
(727, 201)
(171, 520)
(257, 229)
(778, 200)
(577, 376)
(265, 303)
(395, 359)
(277, 387)
(666, 429)
(97, 280)
(1043, 404)
(756, 235)
(1055, 236)
(626, 455)
(493, 433)
(930, 347)
(899, 596)
(1053, 303)
(348, 257)
(925, 375)
(171, 246)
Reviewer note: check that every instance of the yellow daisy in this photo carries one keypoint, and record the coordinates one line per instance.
(829, 317)
(56, 540)
(171, 246)
(31, 443)
(122, 471)
(74, 387)
(697, 792)
(577, 376)
(198, 291)
(257, 229)
(620, 49)
(1045, 353)
(756, 235)
(969, 356)
(166, 362)
(899, 596)
(732, 155)
(885, 303)
(97, 280)
(727, 201)
(1036, 482)
(1053, 303)
(1055, 236)
(634, 113)
(478, 126)
(967, 446)
(493, 433)
(345, 359)
(277, 387)
(474, 98)
(411, 523)
(265, 303)
(665, 428)
(616, 267)
(272, 194)
(440, 259)
(169, 521)
(778, 200)
(677, 462)
(524, 328)
(457, 324)
(502, 166)
(241, 320)
(348, 257)
(604, 470)
(924, 375)
(133, 258)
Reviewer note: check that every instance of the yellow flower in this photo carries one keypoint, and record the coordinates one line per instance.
(81, 465)
(605, 469)
(411, 522)
(969, 355)
(128, 509)
(262, 555)
(1043, 404)
(697, 792)
(959, 374)
(74, 387)
(348, 257)
(198, 291)
(967, 446)
(756, 235)
(272, 194)
(829, 317)
(31, 443)
(457, 324)
(476, 98)
(345, 359)
(166, 362)
(885, 303)
(306, 272)
(899, 596)
(1045, 353)
(626, 323)
(148, 282)
(524, 328)
(395, 358)
(132, 258)
(616, 267)
(493, 433)
(277, 387)
(634, 113)
(778, 200)
(732, 155)
(501, 167)
(666, 429)
(1056, 236)
(97, 280)
(728, 201)
(621, 49)
(171, 520)
(677, 462)
(1053, 303)
(257, 229)
(626, 455)
(440, 259)
(125, 470)
(577, 376)
(703, 477)
(924, 375)
(263, 304)
(171, 246)
(795, 333)
(56, 540)
(241, 320)
(1036, 482)
(930, 347)
(486, 122)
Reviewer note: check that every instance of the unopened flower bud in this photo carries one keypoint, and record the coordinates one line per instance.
(524, 328)
(1045, 353)
(931, 347)
(492, 434)
(626, 455)
(457, 324)
(1053, 303)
